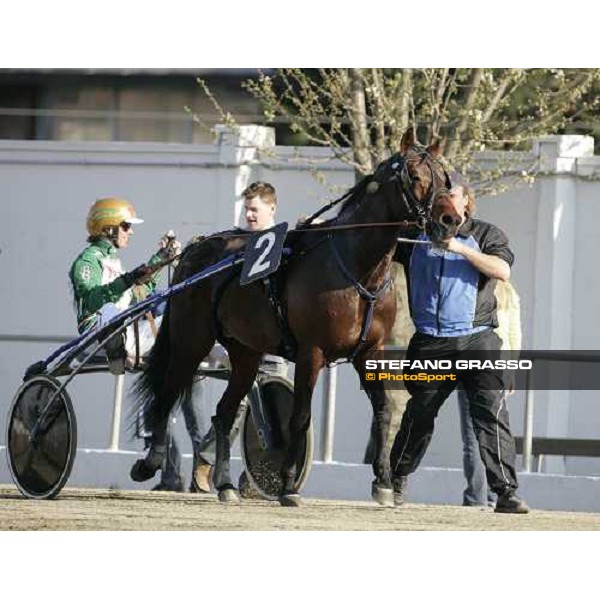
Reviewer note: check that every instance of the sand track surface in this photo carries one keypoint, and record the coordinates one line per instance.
(94, 509)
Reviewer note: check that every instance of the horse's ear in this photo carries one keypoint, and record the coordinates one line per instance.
(408, 140)
(435, 149)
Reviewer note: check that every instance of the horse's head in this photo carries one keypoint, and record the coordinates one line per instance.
(422, 184)
(449, 207)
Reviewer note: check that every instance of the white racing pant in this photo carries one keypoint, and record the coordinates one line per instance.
(146, 335)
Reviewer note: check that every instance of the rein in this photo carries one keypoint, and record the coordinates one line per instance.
(316, 228)
(305, 228)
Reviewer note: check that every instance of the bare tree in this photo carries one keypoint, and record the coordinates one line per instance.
(361, 113)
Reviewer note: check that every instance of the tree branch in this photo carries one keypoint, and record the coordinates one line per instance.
(472, 90)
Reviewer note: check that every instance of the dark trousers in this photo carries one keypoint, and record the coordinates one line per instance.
(207, 449)
(487, 405)
(191, 408)
(477, 492)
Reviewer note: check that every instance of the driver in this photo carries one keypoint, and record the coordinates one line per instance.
(102, 289)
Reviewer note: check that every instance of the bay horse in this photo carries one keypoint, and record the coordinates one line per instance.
(327, 287)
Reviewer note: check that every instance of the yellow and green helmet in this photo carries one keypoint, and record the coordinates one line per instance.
(110, 212)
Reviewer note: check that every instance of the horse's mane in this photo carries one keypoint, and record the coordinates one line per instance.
(355, 194)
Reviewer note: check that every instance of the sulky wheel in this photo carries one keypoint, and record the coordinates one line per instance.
(263, 465)
(41, 447)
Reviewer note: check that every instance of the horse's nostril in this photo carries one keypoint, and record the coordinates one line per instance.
(447, 220)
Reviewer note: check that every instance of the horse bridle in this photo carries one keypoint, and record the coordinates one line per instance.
(421, 211)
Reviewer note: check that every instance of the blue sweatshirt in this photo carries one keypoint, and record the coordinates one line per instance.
(448, 296)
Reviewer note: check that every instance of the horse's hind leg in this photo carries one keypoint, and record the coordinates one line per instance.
(308, 366)
(244, 367)
(381, 489)
(190, 339)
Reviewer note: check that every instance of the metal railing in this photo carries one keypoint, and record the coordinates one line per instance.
(329, 396)
(557, 355)
(565, 356)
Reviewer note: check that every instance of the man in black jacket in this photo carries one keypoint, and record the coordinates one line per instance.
(451, 295)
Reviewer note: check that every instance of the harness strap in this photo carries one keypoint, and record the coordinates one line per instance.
(217, 291)
(369, 297)
(140, 293)
(136, 335)
(288, 347)
(304, 251)
(325, 208)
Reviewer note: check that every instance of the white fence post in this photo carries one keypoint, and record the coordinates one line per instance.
(328, 428)
(528, 426)
(115, 429)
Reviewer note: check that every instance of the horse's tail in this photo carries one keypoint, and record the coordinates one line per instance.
(154, 396)
(150, 404)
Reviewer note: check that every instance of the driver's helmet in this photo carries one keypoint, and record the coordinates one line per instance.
(110, 213)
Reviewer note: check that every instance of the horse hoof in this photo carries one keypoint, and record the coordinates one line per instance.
(229, 496)
(293, 500)
(141, 471)
(382, 495)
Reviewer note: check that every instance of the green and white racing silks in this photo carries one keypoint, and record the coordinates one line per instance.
(97, 278)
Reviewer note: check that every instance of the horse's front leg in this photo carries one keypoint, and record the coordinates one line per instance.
(308, 365)
(244, 367)
(381, 489)
(222, 423)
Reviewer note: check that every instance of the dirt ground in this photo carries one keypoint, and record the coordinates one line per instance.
(92, 509)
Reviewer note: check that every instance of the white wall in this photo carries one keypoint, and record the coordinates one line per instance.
(46, 189)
